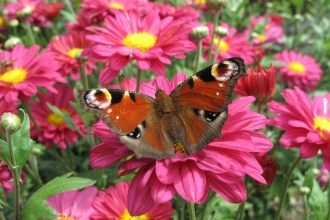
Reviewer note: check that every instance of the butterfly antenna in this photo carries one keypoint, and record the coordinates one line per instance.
(146, 85)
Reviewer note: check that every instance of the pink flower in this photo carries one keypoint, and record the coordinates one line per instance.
(299, 70)
(233, 45)
(53, 128)
(112, 205)
(80, 24)
(8, 107)
(220, 166)
(27, 71)
(264, 30)
(322, 177)
(36, 18)
(306, 123)
(65, 49)
(97, 10)
(183, 12)
(73, 204)
(150, 41)
(6, 178)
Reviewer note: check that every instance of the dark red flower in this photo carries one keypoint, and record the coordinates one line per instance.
(260, 83)
(268, 165)
(50, 10)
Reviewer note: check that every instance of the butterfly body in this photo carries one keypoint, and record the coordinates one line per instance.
(185, 120)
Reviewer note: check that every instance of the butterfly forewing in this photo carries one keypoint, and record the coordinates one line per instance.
(121, 110)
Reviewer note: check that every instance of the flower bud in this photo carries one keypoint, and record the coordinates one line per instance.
(25, 12)
(11, 43)
(79, 57)
(10, 122)
(305, 190)
(13, 23)
(221, 31)
(216, 4)
(199, 32)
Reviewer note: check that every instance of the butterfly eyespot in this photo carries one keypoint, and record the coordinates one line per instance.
(211, 116)
(135, 133)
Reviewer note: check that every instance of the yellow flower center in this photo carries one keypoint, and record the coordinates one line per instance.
(322, 124)
(223, 46)
(64, 218)
(261, 37)
(116, 5)
(142, 40)
(200, 2)
(297, 67)
(14, 76)
(55, 119)
(73, 52)
(179, 147)
(127, 216)
(2, 21)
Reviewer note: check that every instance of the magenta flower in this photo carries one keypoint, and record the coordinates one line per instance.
(8, 107)
(150, 41)
(36, 18)
(265, 30)
(97, 10)
(53, 128)
(73, 204)
(220, 166)
(28, 70)
(306, 123)
(6, 178)
(64, 49)
(299, 70)
(183, 12)
(112, 204)
(322, 177)
(233, 45)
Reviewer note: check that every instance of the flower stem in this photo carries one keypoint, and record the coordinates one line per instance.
(305, 205)
(191, 210)
(30, 32)
(27, 110)
(285, 187)
(16, 179)
(198, 55)
(216, 51)
(2, 135)
(59, 158)
(83, 75)
(138, 80)
(215, 24)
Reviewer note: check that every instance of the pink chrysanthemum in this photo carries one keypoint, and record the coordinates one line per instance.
(299, 70)
(8, 107)
(53, 128)
(36, 18)
(183, 12)
(220, 166)
(306, 123)
(112, 204)
(97, 10)
(6, 178)
(80, 24)
(65, 49)
(322, 177)
(150, 41)
(73, 204)
(233, 45)
(264, 30)
(27, 70)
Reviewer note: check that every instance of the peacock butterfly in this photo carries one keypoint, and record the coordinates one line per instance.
(187, 119)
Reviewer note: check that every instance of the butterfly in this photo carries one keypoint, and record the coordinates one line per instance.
(187, 119)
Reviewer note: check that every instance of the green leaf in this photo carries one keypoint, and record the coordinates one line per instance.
(66, 117)
(36, 208)
(318, 201)
(23, 145)
(4, 154)
(308, 181)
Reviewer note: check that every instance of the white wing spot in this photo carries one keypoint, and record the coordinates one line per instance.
(221, 84)
(217, 93)
(117, 117)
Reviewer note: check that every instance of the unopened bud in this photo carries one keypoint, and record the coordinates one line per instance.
(305, 190)
(10, 122)
(25, 12)
(13, 23)
(199, 33)
(221, 31)
(11, 43)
